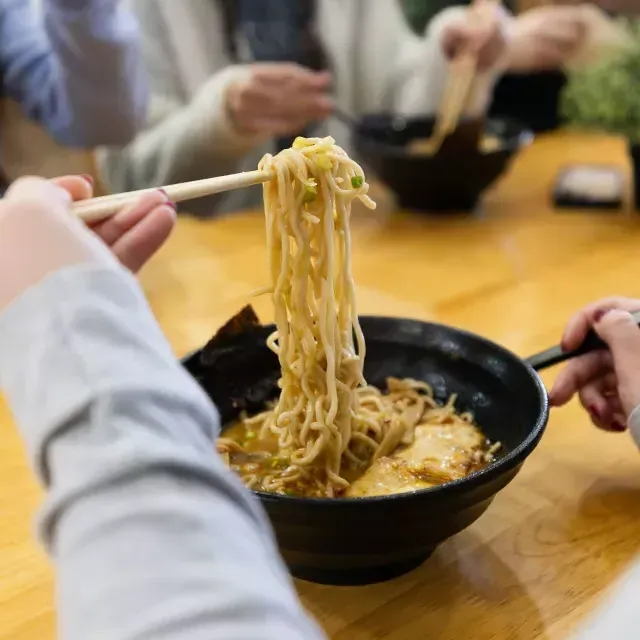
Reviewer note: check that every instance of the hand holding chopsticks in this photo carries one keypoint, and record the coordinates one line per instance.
(98, 209)
(39, 237)
(472, 46)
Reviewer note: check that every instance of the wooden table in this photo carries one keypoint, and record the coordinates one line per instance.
(538, 561)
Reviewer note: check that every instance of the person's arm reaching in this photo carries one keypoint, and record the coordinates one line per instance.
(209, 125)
(152, 537)
(187, 136)
(75, 67)
(182, 142)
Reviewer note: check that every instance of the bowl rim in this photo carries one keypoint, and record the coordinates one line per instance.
(512, 144)
(499, 466)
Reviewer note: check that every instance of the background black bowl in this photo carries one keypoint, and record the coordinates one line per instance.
(453, 179)
(532, 99)
(363, 540)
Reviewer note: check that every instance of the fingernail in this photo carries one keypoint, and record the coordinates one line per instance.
(168, 201)
(88, 178)
(598, 315)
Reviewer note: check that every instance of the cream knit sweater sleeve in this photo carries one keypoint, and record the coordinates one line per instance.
(187, 137)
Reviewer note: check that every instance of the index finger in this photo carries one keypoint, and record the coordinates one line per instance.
(563, 12)
(136, 246)
(568, 32)
(483, 14)
(279, 73)
(577, 374)
(580, 323)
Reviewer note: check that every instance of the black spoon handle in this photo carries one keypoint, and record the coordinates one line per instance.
(556, 355)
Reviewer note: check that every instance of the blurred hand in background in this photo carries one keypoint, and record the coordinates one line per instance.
(482, 32)
(544, 38)
(278, 99)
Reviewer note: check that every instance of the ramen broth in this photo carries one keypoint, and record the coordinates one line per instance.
(438, 454)
(330, 433)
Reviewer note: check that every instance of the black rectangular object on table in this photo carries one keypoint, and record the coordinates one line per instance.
(589, 187)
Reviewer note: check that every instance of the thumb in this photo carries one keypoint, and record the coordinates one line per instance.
(78, 187)
(621, 333)
(320, 79)
(40, 190)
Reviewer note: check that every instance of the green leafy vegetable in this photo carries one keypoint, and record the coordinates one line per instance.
(606, 97)
(310, 193)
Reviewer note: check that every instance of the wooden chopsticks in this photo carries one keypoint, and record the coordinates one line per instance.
(457, 92)
(98, 209)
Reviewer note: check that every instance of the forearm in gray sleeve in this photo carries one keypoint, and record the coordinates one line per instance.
(151, 536)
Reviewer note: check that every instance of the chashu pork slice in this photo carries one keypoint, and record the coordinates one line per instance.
(439, 453)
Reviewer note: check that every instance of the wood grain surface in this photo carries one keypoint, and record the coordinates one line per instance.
(539, 560)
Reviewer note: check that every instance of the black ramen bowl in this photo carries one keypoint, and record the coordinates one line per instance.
(364, 540)
(453, 179)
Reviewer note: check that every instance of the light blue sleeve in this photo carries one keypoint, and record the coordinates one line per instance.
(75, 67)
(152, 537)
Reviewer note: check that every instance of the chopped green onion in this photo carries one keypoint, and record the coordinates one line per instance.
(357, 182)
(310, 193)
(250, 435)
(289, 492)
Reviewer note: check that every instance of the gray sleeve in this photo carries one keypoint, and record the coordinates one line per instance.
(151, 536)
